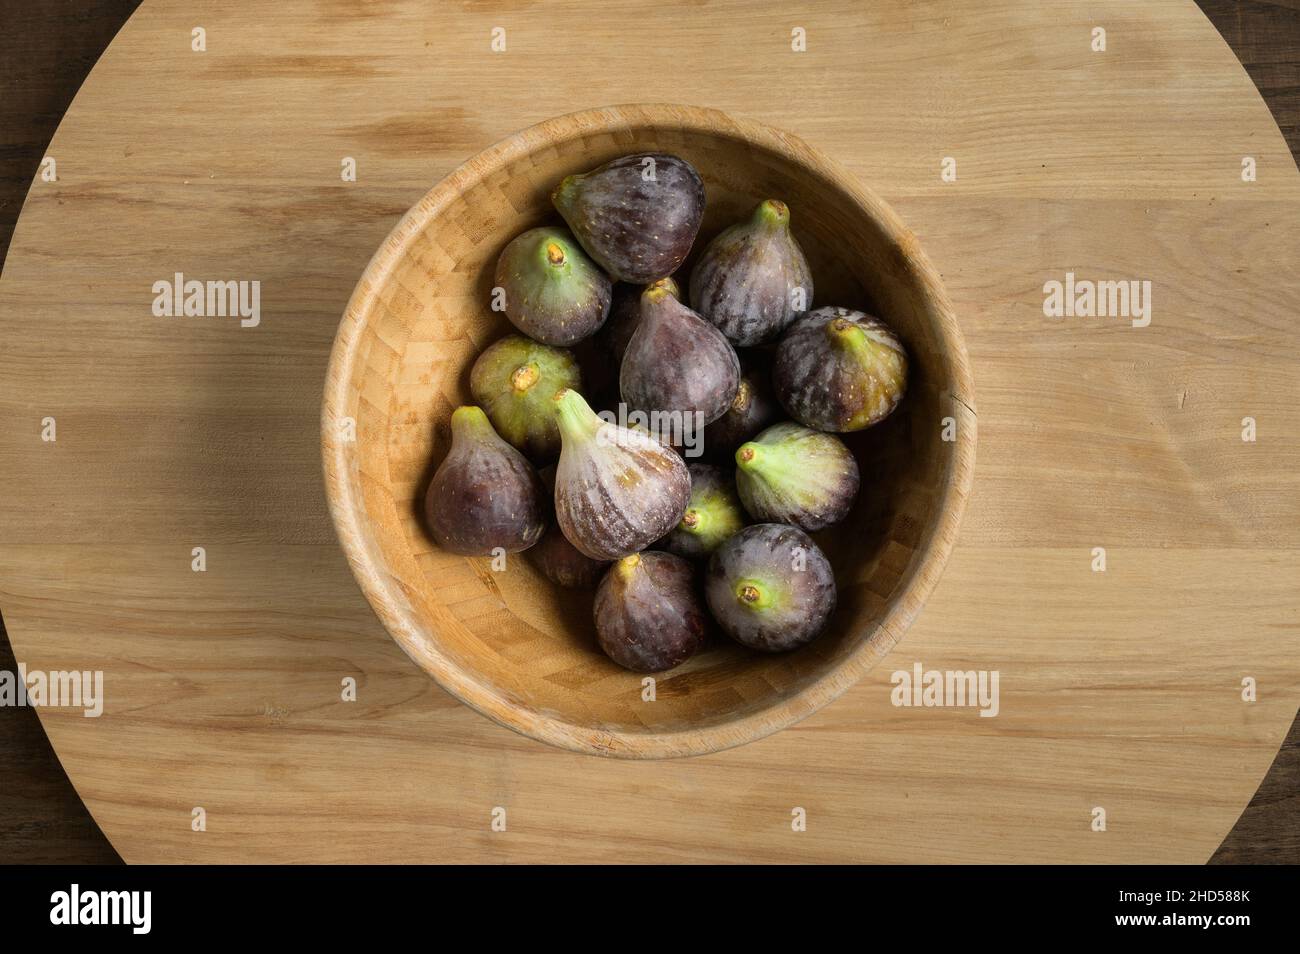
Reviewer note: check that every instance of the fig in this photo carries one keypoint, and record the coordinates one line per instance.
(753, 408)
(648, 616)
(636, 216)
(839, 370)
(515, 381)
(793, 474)
(625, 315)
(553, 292)
(485, 494)
(753, 278)
(617, 489)
(677, 362)
(770, 588)
(712, 514)
(564, 564)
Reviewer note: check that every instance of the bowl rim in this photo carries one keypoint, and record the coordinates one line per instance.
(385, 593)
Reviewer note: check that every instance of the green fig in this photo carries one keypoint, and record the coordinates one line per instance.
(553, 293)
(514, 381)
(770, 588)
(637, 216)
(712, 514)
(677, 362)
(839, 370)
(617, 489)
(484, 495)
(753, 278)
(648, 616)
(792, 474)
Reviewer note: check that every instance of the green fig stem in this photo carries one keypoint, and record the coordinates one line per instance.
(625, 566)
(669, 285)
(554, 255)
(578, 422)
(753, 594)
(852, 339)
(560, 197)
(694, 521)
(469, 420)
(779, 465)
(847, 334)
(772, 212)
(524, 377)
(655, 293)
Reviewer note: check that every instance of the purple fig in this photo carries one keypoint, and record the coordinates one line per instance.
(515, 381)
(553, 293)
(648, 616)
(564, 564)
(484, 495)
(770, 588)
(753, 278)
(625, 315)
(636, 216)
(677, 362)
(753, 408)
(617, 489)
(793, 474)
(712, 514)
(839, 370)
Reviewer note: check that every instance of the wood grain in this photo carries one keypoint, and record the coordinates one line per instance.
(1100, 435)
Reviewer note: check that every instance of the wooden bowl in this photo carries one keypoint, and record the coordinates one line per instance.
(510, 644)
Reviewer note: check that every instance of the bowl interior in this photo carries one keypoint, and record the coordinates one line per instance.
(509, 642)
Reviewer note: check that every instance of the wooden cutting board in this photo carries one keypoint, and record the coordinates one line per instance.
(1120, 690)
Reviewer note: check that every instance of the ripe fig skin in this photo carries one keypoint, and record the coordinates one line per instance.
(712, 515)
(485, 494)
(625, 316)
(839, 370)
(792, 474)
(637, 229)
(564, 564)
(677, 362)
(617, 489)
(759, 597)
(514, 380)
(753, 408)
(647, 613)
(553, 293)
(753, 278)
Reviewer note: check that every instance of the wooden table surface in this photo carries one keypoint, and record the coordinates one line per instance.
(1120, 437)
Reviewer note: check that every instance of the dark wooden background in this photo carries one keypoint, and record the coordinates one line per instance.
(46, 50)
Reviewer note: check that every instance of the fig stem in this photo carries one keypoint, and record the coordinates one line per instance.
(654, 294)
(554, 254)
(668, 284)
(577, 420)
(469, 419)
(854, 340)
(560, 197)
(746, 455)
(772, 212)
(847, 334)
(626, 565)
(524, 377)
(753, 594)
(692, 520)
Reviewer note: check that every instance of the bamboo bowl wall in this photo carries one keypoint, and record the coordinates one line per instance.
(509, 643)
